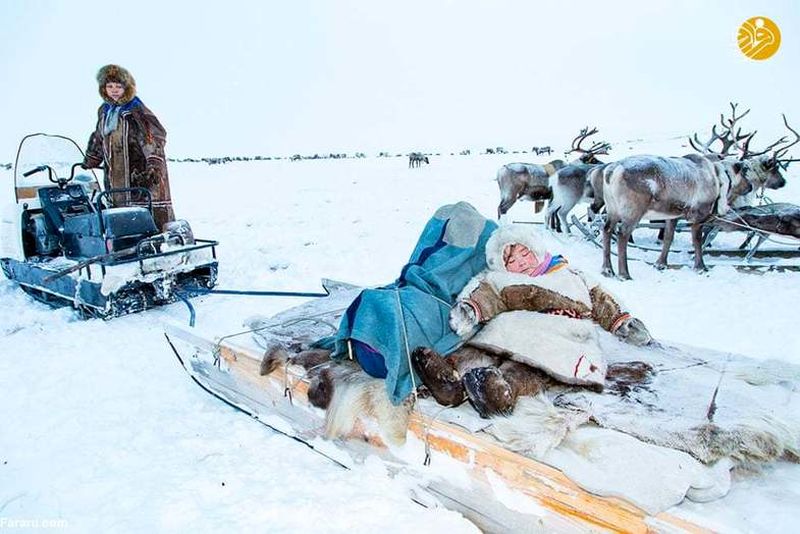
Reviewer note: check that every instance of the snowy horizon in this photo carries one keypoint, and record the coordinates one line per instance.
(308, 77)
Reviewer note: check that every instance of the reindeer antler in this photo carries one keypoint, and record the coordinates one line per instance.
(596, 148)
(705, 147)
(729, 139)
(746, 153)
(731, 122)
(778, 153)
(581, 137)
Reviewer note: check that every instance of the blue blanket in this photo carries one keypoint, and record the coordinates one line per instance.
(413, 311)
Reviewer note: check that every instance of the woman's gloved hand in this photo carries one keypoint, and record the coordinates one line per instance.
(463, 318)
(632, 330)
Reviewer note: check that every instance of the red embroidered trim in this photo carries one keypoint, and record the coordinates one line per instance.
(618, 321)
(577, 365)
(567, 313)
(474, 306)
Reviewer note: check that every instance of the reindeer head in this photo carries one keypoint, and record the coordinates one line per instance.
(763, 169)
(764, 172)
(588, 155)
(760, 169)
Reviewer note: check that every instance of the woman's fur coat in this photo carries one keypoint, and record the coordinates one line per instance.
(133, 153)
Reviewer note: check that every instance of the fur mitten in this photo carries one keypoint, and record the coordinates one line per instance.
(632, 330)
(463, 318)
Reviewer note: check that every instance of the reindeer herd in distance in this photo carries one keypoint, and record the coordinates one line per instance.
(413, 156)
(724, 173)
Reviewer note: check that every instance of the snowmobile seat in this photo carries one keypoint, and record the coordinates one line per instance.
(123, 228)
(128, 221)
(126, 227)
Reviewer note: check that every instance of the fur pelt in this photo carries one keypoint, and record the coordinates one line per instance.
(115, 73)
(564, 348)
(754, 419)
(359, 397)
(345, 392)
(544, 428)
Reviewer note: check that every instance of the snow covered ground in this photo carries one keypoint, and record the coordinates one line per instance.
(102, 431)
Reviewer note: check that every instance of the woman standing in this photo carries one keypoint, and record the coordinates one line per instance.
(128, 143)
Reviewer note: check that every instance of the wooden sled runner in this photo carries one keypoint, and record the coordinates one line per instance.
(505, 492)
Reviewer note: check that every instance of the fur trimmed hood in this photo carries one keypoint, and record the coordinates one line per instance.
(507, 235)
(115, 73)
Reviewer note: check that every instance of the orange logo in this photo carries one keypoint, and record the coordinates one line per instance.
(759, 38)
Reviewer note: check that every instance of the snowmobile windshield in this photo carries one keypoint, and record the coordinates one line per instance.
(57, 152)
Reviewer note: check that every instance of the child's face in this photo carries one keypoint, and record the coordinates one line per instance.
(115, 90)
(521, 259)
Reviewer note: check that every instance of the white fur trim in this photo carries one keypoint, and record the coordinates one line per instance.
(472, 285)
(721, 173)
(567, 349)
(508, 234)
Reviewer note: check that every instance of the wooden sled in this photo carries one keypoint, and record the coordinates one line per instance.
(506, 492)
(753, 259)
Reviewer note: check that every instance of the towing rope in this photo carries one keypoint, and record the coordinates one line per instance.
(205, 291)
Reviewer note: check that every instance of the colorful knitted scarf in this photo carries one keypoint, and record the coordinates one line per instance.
(550, 264)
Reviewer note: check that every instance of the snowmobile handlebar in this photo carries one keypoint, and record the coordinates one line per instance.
(40, 168)
(51, 173)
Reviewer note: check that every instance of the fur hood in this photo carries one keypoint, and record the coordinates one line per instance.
(507, 235)
(115, 73)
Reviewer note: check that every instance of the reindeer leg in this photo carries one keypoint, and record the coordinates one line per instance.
(608, 228)
(553, 222)
(562, 215)
(697, 243)
(506, 203)
(625, 231)
(669, 235)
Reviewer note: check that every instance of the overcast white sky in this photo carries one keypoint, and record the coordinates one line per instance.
(275, 78)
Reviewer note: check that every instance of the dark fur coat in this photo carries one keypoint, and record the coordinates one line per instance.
(133, 153)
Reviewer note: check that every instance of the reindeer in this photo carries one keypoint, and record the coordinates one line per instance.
(572, 183)
(541, 150)
(415, 159)
(532, 181)
(525, 180)
(695, 187)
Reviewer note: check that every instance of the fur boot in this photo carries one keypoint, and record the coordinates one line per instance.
(443, 375)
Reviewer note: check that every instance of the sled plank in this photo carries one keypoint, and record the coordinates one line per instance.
(572, 507)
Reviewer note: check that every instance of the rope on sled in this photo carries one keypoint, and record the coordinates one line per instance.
(313, 318)
(247, 412)
(288, 386)
(405, 342)
(426, 438)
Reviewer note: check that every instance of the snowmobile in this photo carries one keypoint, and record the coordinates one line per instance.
(65, 240)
